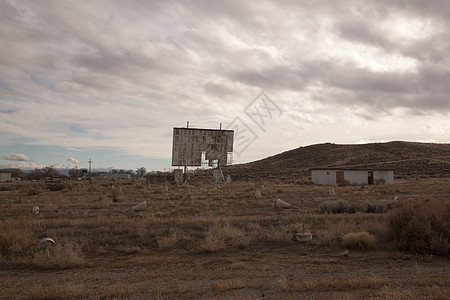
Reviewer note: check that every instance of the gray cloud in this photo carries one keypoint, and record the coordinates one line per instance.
(16, 157)
(72, 73)
(73, 160)
(362, 32)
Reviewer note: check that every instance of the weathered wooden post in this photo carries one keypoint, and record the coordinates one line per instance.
(303, 237)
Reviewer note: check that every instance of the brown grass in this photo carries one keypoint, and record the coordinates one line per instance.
(223, 235)
(370, 282)
(168, 242)
(359, 240)
(33, 191)
(220, 241)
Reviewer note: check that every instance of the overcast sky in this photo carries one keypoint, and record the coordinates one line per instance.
(108, 80)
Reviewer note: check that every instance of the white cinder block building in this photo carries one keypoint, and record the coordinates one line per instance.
(331, 176)
(5, 177)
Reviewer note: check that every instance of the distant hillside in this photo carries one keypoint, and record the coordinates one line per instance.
(408, 159)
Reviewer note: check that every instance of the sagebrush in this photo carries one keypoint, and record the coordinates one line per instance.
(420, 226)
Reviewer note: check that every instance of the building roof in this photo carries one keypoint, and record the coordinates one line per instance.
(204, 129)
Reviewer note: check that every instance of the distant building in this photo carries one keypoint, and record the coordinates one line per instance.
(351, 176)
(55, 178)
(5, 177)
(114, 176)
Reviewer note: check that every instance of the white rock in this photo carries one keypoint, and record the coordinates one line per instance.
(140, 206)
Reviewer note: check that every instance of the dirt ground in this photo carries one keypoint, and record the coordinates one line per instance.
(121, 264)
(300, 271)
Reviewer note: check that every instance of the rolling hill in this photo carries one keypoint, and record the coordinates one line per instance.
(407, 159)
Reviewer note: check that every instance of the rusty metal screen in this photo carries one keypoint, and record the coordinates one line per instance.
(189, 144)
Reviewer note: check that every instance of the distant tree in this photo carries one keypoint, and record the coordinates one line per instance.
(50, 171)
(73, 173)
(36, 174)
(141, 171)
(76, 173)
(83, 171)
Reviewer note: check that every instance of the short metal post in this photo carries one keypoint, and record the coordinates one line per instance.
(303, 215)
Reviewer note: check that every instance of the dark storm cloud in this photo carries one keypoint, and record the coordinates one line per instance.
(165, 60)
(362, 32)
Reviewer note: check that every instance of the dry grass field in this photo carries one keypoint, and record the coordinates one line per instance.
(221, 241)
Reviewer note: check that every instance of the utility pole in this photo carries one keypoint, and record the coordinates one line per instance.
(90, 162)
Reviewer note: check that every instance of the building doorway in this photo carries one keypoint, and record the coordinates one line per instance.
(339, 177)
(370, 177)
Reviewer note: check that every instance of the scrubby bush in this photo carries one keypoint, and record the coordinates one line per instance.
(345, 183)
(334, 207)
(359, 240)
(117, 194)
(16, 240)
(54, 187)
(381, 181)
(7, 187)
(372, 207)
(63, 255)
(33, 192)
(341, 207)
(421, 226)
(220, 236)
(168, 242)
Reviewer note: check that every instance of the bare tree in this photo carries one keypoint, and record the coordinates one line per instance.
(141, 172)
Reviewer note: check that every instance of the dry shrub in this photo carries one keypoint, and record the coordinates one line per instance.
(102, 202)
(63, 255)
(33, 192)
(359, 240)
(276, 235)
(342, 207)
(438, 292)
(16, 239)
(139, 185)
(345, 183)
(9, 187)
(54, 187)
(372, 207)
(158, 189)
(421, 226)
(330, 229)
(381, 181)
(92, 188)
(220, 236)
(169, 241)
(338, 207)
(117, 194)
